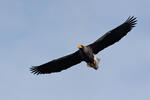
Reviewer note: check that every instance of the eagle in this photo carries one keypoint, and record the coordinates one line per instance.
(87, 53)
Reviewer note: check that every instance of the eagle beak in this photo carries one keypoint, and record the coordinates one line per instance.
(79, 46)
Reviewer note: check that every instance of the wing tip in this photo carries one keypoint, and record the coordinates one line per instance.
(132, 21)
(34, 70)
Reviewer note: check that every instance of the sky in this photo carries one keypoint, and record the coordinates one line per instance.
(33, 32)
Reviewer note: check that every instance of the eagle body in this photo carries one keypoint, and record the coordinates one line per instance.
(87, 53)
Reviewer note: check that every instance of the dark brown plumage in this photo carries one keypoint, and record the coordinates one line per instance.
(86, 53)
(57, 65)
(113, 36)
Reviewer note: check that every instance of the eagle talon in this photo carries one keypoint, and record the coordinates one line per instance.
(92, 65)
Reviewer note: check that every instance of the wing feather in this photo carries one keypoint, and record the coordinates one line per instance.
(57, 65)
(113, 36)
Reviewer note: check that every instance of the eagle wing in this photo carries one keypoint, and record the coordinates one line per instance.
(113, 36)
(57, 65)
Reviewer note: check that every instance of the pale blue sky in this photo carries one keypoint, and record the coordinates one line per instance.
(33, 32)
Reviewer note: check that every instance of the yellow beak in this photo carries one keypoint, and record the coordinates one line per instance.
(79, 46)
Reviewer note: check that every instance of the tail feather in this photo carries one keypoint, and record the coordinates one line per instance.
(97, 60)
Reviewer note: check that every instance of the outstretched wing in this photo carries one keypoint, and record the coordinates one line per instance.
(57, 65)
(113, 36)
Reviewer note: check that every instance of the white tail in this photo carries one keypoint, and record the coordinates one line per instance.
(97, 60)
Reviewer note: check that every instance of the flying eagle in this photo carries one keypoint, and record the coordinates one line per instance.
(87, 53)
